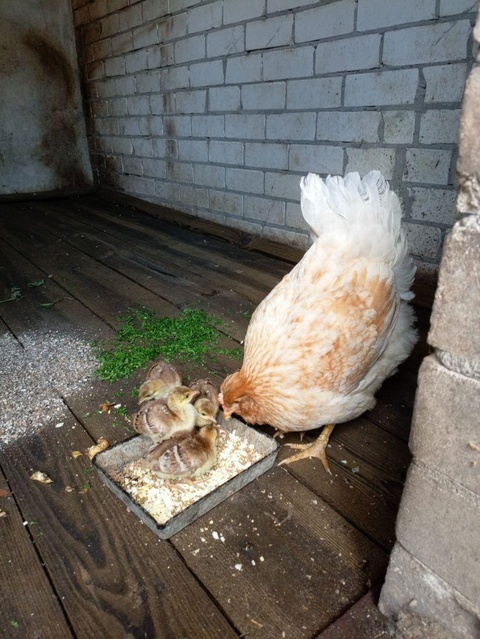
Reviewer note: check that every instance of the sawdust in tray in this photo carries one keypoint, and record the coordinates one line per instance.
(164, 501)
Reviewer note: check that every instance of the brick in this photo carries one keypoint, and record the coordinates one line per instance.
(271, 156)
(115, 66)
(373, 14)
(172, 27)
(225, 152)
(226, 41)
(244, 69)
(136, 61)
(268, 33)
(437, 127)
(154, 168)
(444, 42)
(137, 185)
(244, 225)
(294, 217)
(153, 9)
(206, 73)
(290, 63)
(381, 88)
(111, 25)
(129, 18)
(283, 5)
(224, 99)
(226, 202)
(99, 109)
(291, 126)
(427, 165)
(234, 11)
(454, 7)
(264, 96)
(116, 5)
(345, 126)
(148, 82)
(178, 126)
(190, 101)
(96, 69)
(348, 54)
(174, 78)
(265, 210)
(165, 148)
(178, 5)
(433, 205)
(326, 21)
(209, 126)
(444, 401)
(209, 175)
(423, 240)
(132, 166)
(104, 49)
(315, 158)
(179, 171)
(410, 584)
(142, 147)
(107, 126)
(246, 126)
(117, 106)
(191, 196)
(246, 180)
(153, 125)
(433, 506)
(283, 185)
(205, 17)
(138, 105)
(445, 83)
(161, 55)
(399, 127)
(162, 103)
(190, 49)
(122, 43)
(365, 160)
(296, 240)
(319, 93)
(92, 32)
(193, 150)
(456, 313)
(109, 88)
(145, 36)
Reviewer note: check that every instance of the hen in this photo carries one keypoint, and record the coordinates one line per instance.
(319, 346)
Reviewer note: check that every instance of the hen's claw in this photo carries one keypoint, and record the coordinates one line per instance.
(317, 449)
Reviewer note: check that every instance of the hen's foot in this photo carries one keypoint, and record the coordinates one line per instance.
(317, 449)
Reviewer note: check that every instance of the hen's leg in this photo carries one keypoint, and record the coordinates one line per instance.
(317, 449)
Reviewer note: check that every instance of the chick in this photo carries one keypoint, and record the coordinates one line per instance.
(160, 419)
(187, 456)
(161, 379)
(207, 403)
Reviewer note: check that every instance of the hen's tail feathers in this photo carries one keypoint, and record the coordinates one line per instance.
(367, 212)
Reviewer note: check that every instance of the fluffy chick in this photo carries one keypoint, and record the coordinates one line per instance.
(160, 419)
(161, 379)
(187, 456)
(207, 403)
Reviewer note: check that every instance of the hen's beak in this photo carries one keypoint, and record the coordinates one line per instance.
(226, 415)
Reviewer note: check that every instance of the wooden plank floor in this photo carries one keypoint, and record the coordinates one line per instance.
(79, 564)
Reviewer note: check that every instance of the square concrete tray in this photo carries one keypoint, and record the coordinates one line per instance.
(114, 459)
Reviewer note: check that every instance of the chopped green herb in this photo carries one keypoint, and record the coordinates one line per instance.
(122, 410)
(15, 294)
(15, 624)
(36, 283)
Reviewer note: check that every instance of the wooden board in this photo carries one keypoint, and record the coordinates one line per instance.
(362, 621)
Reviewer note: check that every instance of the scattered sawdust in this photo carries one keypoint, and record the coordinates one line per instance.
(34, 377)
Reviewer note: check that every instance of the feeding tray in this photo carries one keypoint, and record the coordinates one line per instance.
(114, 463)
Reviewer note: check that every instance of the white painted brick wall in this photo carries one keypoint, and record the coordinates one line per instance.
(217, 107)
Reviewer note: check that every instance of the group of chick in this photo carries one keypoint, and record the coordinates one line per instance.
(181, 422)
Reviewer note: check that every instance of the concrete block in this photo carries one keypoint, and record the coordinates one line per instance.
(179, 5)
(291, 126)
(381, 88)
(348, 54)
(172, 27)
(117, 107)
(145, 36)
(427, 166)
(162, 103)
(433, 205)
(283, 185)
(206, 16)
(121, 43)
(411, 585)
(136, 61)
(142, 147)
(318, 93)
(270, 156)
(282, 5)
(456, 313)
(244, 69)
(290, 63)
(179, 171)
(226, 202)
(225, 152)
(154, 168)
(190, 101)
(152, 125)
(373, 14)
(165, 148)
(109, 87)
(194, 197)
(268, 33)
(445, 83)
(315, 158)
(265, 210)
(249, 126)
(224, 99)
(294, 217)
(446, 423)
(152, 10)
(433, 507)
(137, 185)
(365, 160)
(138, 105)
(263, 97)
(348, 126)
(208, 126)
(174, 78)
(115, 66)
(125, 86)
(103, 49)
(440, 126)
(193, 150)
(454, 7)
(292, 238)
(178, 126)
(468, 166)
(209, 175)
(112, 24)
(423, 241)
(444, 42)
(325, 21)
(399, 127)
(203, 74)
(246, 180)
(234, 11)
(161, 55)
(224, 42)
(190, 49)
(130, 17)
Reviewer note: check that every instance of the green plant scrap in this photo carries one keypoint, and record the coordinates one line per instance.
(143, 336)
